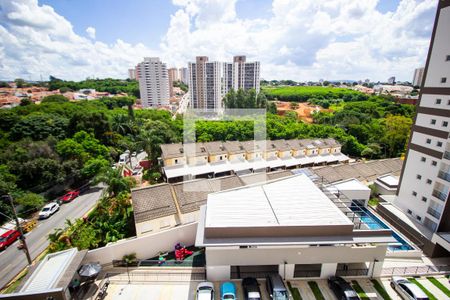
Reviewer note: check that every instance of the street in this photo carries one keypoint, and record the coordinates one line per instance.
(12, 260)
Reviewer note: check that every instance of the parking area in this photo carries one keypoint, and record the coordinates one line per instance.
(186, 290)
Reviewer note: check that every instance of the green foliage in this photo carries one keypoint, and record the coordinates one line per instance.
(30, 202)
(4, 84)
(294, 291)
(25, 102)
(7, 180)
(380, 289)
(114, 180)
(54, 99)
(113, 86)
(316, 290)
(304, 93)
(39, 126)
(244, 99)
(93, 166)
(20, 83)
(181, 85)
(359, 290)
(439, 285)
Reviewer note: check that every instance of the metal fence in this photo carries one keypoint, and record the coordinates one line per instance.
(418, 270)
(242, 275)
(306, 273)
(352, 272)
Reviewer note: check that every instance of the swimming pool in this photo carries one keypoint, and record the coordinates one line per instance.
(373, 222)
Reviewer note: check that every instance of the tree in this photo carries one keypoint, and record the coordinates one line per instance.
(396, 134)
(30, 202)
(96, 123)
(20, 83)
(25, 101)
(54, 99)
(294, 105)
(93, 166)
(114, 180)
(39, 126)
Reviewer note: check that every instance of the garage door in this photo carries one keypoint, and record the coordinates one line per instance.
(240, 272)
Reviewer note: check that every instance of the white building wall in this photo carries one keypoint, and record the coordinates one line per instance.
(153, 82)
(422, 140)
(431, 121)
(431, 101)
(438, 67)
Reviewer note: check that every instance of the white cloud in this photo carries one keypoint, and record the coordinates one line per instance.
(301, 40)
(91, 32)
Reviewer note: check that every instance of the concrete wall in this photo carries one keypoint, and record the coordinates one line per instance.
(193, 160)
(382, 190)
(312, 151)
(270, 154)
(171, 161)
(145, 246)
(56, 294)
(237, 156)
(216, 158)
(219, 259)
(298, 152)
(156, 225)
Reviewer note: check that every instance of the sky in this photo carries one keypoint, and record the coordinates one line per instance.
(298, 40)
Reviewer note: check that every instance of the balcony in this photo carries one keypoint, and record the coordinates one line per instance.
(440, 195)
(447, 155)
(431, 211)
(444, 175)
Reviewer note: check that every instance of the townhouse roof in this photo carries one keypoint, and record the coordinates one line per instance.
(253, 146)
(295, 144)
(172, 150)
(234, 147)
(214, 148)
(153, 202)
(281, 145)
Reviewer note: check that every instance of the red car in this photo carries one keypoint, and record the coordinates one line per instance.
(8, 238)
(70, 196)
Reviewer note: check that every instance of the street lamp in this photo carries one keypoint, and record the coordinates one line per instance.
(22, 237)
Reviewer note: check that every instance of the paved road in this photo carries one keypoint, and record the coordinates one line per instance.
(12, 260)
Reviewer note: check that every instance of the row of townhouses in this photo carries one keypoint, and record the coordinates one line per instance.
(215, 159)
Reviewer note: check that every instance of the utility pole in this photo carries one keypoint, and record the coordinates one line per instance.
(22, 237)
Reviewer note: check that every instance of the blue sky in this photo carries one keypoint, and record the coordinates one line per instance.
(300, 40)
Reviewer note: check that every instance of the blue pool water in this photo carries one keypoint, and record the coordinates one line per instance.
(373, 222)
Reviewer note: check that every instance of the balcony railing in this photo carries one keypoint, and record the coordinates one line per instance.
(440, 195)
(444, 175)
(434, 212)
(447, 155)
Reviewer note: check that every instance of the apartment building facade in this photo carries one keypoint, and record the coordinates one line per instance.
(209, 82)
(153, 82)
(205, 84)
(424, 187)
(184, 75)
(418, 77)
(173, 76)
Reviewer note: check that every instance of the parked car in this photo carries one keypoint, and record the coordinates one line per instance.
(342, 288)
(276, 288)
(8, 237)
(407, 289)
(69, 196)
(228, 291)
(205, 291)
(48, 210)
(251, 289)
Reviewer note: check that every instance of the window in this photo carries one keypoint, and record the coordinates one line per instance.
(444, 123)
(447, 58)
(176, 161)
(443, 79)
(419, 176)
(423, 159)
(439, 144)
(414, 193)
(409, 212)
(433, 121)
(448, 102)
(429, 181)
(220, 157)
(434, 163)
(438, 101)
(419, 218)
(428, 141)
(424, 199)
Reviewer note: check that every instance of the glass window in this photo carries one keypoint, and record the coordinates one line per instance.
(438, 101)
(414, 193)
(419, 176)
(443, 79)
(447, 58)
(444, 123)
(439, 144)
(424, 199)
(433, 121)
(434, 163)
(409, 211)
(428, 141)
(423, 159)
(429, 181)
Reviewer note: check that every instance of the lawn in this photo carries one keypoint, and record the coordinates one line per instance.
(358, 289)
(294, 291)
(381, 290)
(316, 290)
(439, 285)
(303, 93)
(430, 295)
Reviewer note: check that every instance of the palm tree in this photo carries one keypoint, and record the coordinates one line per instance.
(115, 181)
(121, 124)
(129, 259)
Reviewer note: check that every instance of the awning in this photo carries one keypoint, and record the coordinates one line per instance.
(258, 164)
(291, 161)
(275, 163)
(201, 169)
(221, 166)
(240, 165)
(341, 157)
(176, 171)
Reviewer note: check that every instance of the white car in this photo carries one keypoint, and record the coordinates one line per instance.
(205, 291)
(407, 289)
(48, 210)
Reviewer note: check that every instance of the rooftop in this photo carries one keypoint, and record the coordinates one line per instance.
(351, 184)
(153, 202)
(268, 205)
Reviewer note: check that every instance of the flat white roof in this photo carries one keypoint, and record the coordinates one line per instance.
(293, 201)
(351, 185)
(389, 179)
